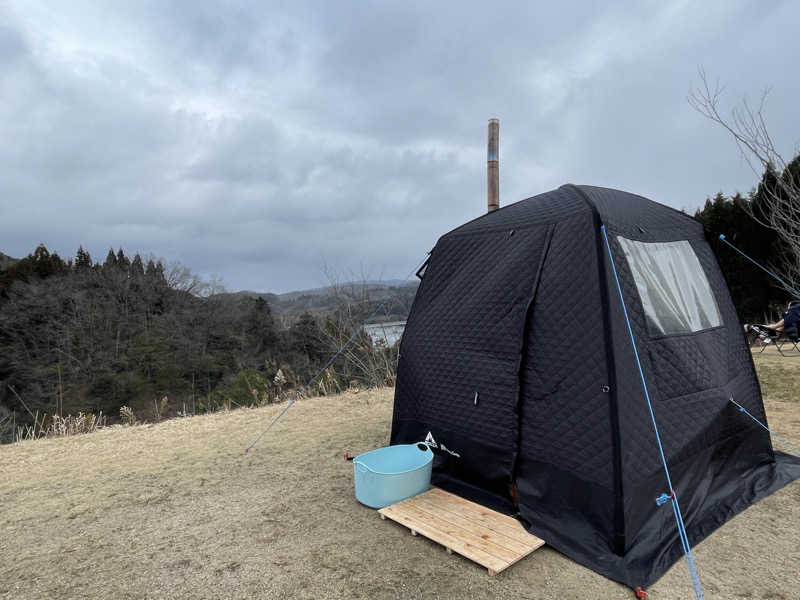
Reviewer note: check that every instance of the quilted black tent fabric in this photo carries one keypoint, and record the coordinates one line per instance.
(517, 367)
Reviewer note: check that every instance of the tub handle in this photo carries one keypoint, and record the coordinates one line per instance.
(423, 446)
(362, 468)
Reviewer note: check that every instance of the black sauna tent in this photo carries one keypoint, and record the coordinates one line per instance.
(516, 365)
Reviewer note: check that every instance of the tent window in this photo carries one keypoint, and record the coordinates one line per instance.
(673, 287)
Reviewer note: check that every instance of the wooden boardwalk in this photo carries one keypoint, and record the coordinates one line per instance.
(489, 538)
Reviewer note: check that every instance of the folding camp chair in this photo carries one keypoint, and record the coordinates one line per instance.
(789, 336)
(786, 342)
(762, 337)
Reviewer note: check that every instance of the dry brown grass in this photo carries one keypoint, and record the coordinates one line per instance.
(779, 375)
(177, 510)
(58, 426)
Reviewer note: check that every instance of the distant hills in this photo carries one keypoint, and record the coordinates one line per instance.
(397, 294)
(361, 297)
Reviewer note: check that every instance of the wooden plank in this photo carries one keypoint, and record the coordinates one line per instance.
(471, 540)
(475, 528)
(449, 541)
(481, 515)
(486, 515)
(489, 538)
(476, 511)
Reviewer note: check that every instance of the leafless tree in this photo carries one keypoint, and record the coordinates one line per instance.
(780, 206)
(373, 364)
(180, 277)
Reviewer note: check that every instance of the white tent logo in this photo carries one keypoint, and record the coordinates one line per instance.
(432, 443)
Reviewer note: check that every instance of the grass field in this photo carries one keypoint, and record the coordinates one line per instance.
(177, 510)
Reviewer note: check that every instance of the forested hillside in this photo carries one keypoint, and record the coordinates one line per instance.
(83, 336)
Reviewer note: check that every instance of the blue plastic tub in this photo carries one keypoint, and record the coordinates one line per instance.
(388, 475)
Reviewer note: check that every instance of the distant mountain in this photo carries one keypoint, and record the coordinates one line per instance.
(326, 300)
(6, 261)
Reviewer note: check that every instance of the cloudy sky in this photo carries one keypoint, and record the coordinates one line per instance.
(259, 143)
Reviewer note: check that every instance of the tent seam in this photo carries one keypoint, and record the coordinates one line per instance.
(620, 541)
(526, 323)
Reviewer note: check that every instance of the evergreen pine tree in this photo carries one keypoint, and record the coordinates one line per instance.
(111, 260)
(752, 291)
(83, 259)
(259, 328)
(137, 268)
(122, 261)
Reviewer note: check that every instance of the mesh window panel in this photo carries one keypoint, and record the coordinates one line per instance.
(672, 286)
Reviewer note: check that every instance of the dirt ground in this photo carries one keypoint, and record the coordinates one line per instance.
(177, 510)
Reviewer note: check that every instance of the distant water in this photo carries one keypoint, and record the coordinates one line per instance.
(386, 334)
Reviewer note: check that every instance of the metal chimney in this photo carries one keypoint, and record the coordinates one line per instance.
(493, 165)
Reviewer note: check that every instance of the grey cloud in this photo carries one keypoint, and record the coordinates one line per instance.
(261, 142)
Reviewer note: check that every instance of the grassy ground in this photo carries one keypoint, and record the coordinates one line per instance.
(779, 375)
(177, 510)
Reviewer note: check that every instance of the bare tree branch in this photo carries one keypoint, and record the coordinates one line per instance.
(779, 196)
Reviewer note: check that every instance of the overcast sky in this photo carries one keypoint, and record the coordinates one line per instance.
(261, 143)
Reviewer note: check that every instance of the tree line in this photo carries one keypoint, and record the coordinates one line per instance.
(743, 219)
(92, 337)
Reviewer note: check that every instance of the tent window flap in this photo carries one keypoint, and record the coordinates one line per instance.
(673, 287)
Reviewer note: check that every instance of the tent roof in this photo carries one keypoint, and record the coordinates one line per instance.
(627, 214)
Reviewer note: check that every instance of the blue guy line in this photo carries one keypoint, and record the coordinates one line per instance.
(763, 268)
(684, 538)
(772, 433)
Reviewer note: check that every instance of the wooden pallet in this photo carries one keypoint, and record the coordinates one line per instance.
(487, 537)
